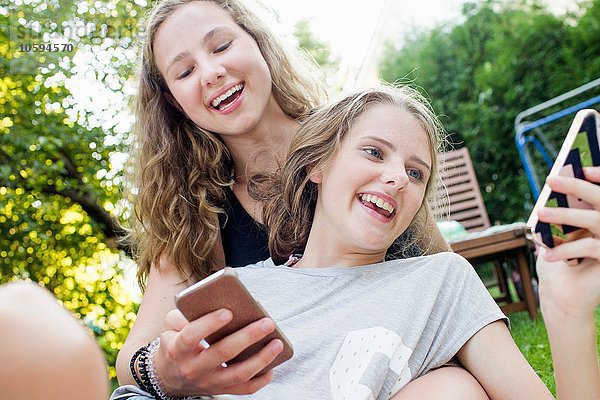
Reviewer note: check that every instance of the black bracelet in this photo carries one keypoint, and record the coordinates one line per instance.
(143, 368)
(134, 373)
(147, 379)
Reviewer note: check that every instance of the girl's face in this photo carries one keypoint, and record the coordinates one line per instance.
(376, 183)
(214, 69)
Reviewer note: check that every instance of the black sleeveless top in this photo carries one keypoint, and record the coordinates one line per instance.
(244, 240)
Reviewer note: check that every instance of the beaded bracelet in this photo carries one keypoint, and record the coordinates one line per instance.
(153, 378)
(143, 368)
(134, 372)
(152, 375)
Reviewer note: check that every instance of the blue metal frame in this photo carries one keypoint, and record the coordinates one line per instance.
(522, 140)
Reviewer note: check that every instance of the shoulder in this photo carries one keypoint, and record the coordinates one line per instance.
(437, 267)
(447, 265)
(454, 264)
(450, 259)
(444, 260)
(268, 263)
(256, 268)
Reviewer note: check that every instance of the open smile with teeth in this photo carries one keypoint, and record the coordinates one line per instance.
(228, 97)
(376, 203)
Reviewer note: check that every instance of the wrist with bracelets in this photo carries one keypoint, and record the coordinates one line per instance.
(132, 368)
(148, 379)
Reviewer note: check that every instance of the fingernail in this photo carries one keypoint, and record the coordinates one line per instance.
(225, 315)
(276, 346)
(266, 325)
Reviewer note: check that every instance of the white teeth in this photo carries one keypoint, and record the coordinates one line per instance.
(215, 103)
(377, 201)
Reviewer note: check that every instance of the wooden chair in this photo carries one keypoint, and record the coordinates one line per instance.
(483, 242)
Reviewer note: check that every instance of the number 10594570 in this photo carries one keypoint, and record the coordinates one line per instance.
(45, 47)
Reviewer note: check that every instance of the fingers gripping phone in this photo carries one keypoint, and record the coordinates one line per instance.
(223, 289)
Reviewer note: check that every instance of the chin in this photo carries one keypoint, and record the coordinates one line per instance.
(377, 238)
(373, 246)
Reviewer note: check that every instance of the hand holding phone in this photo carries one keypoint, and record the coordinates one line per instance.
(580, 149)
(223, 289)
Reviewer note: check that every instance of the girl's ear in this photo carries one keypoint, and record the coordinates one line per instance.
(315, 175)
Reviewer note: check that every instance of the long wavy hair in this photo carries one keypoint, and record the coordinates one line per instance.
(290, 197)
(180, 171)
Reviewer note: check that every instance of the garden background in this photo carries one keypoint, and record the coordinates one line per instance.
(63, 144)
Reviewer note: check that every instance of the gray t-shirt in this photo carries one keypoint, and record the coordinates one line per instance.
(365, 332)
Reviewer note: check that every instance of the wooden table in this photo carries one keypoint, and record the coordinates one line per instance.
(502, 242)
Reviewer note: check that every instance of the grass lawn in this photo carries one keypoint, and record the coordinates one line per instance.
(532, 339)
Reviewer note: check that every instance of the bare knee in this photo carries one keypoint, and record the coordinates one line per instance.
(46, 345)
(22, 294)
(447, 383)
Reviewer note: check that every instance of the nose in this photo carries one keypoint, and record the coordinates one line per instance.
(211, 73)
(396, 178)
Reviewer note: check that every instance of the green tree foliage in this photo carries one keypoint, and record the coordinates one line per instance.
(318, 50)
(503, 58)
(59, 185)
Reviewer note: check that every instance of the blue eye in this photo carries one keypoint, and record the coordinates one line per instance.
(415, 174)
(374, 152)
(223, 47)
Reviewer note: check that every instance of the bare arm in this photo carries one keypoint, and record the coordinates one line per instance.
(493, 358)
(570, 292)
(182, 364)
(446, 383)
(158, 300)
(573, 343)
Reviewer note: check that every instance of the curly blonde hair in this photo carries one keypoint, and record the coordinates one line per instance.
(290, 196)
(180, 171)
